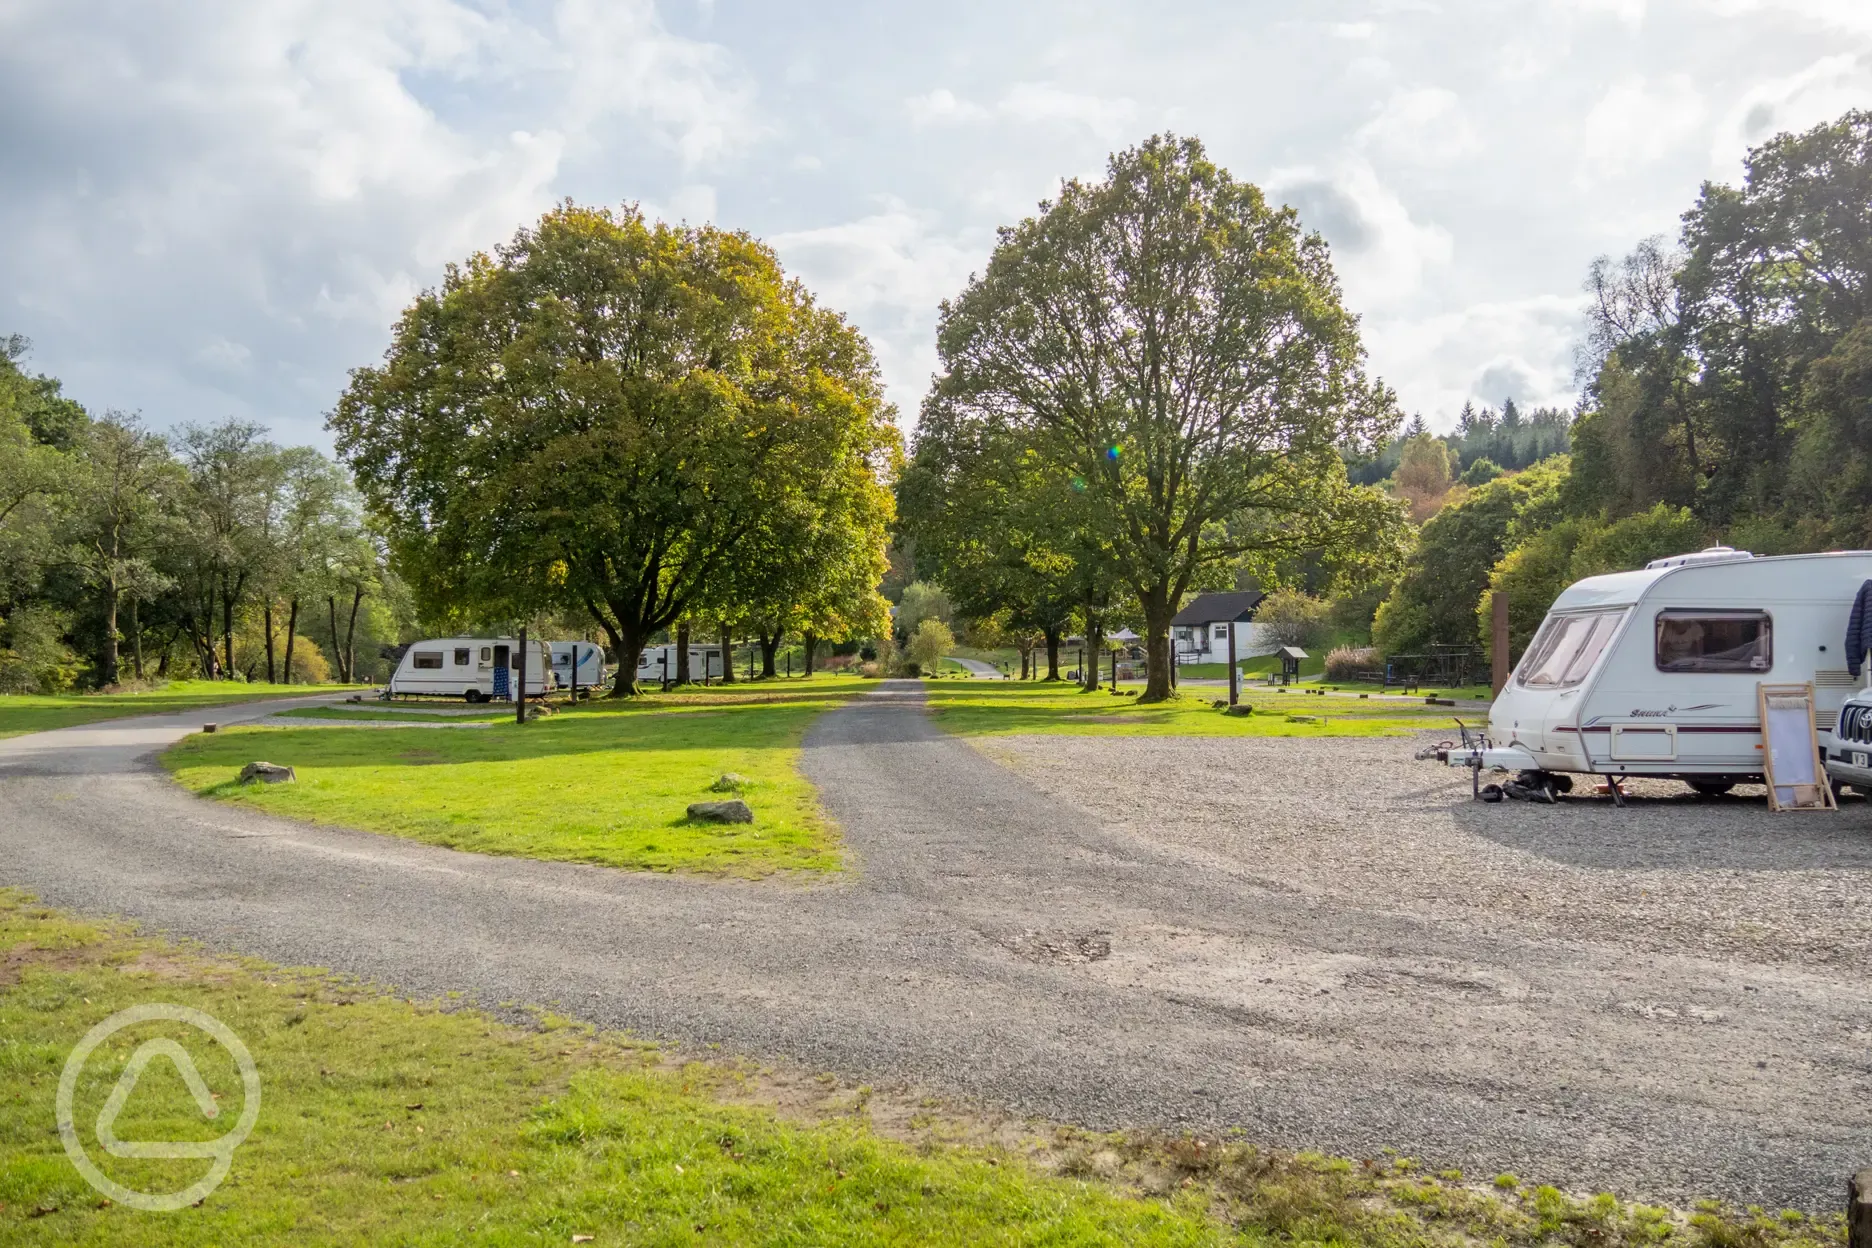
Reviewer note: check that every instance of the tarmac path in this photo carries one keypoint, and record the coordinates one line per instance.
(995, 942)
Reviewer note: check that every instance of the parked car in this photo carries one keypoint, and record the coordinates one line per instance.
(1849, 758)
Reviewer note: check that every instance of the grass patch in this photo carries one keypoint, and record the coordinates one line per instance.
(384, 1121)
(22, 713)
(981, 708)
(342, 713)
(606, 782)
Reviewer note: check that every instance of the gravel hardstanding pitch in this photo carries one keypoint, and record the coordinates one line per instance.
(1317, 941)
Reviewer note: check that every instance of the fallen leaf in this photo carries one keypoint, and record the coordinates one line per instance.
(513, 1174)
(583, 1239)
(417, 1105)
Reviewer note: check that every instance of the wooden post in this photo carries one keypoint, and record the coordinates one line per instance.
(1234, 676)
(520, 689)
(1114, 657)
(1498, 611)
(575, 672)
(1859, 1210)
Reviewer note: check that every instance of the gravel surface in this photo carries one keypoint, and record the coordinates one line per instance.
(1492, 988)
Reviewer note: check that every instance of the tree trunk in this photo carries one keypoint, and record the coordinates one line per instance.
(110, 629)
(629, 651)
(769, 647)
(227, 636)
(136, 637)
(350, 637)
(1157, 612)
(266, 626)
(331, 608)
(727, 656)
(810, 643)
(1052, 645)
(292, 633)
(682, 653)
(1094, 651)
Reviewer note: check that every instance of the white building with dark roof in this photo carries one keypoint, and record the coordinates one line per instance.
(1200, 631)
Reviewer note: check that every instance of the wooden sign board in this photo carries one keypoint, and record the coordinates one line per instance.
(1791, 762)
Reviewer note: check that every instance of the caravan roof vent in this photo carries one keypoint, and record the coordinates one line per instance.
(1715, 554)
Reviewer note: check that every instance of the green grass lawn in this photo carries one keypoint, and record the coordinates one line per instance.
(984, 707)
(387, 1122)
(22, 713)
(364, 714)
(606, 782)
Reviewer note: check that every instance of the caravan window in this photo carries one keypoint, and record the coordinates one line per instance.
(461, 657)
(428, 660)
(1566, 648)
(486, 654)
(1715, 641)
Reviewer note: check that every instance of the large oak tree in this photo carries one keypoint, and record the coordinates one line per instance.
(607, 414)
(1178, 345)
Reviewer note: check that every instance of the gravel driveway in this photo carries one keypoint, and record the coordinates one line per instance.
(1317, 941)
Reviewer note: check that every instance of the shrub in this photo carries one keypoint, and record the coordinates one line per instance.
(932, 642)
(1345, 662)
(33, 655)
(1481, 472)
(1290, 618)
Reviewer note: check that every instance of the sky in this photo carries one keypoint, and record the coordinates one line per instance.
(216, 208)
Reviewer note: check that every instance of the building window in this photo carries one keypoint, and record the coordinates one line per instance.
(1715, 641)
(461, 657)
(428, 660)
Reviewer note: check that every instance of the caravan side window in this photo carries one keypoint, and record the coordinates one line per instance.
(428, 660)
(461, 657)
(1715, 641)
(486, 654)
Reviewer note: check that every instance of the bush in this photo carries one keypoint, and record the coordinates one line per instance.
(33, 655)
(932, 642)
(1345, 663)
(1481, 472)
(1290, 618)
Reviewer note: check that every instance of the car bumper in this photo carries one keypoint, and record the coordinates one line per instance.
(1851, 765)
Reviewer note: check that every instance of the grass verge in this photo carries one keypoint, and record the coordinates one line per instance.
(387, 1122)
(23, 713)
(605, 782)
(981, 708)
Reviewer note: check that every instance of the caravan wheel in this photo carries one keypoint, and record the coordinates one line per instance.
(473, 696)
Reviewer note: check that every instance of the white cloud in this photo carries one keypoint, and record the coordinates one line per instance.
(1028, 103)
(941, 106)
(1520, 349)
(1637, 121)
(1352, 30)
(887, 272)
(1424, 125)
(1380, 252)
(1798, 101)
(618, 57)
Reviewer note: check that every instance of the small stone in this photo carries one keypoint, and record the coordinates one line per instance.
(1303, 719)
(209, 727)
(736, 811)
(730, 782)
(1241, 708)
(267, 773)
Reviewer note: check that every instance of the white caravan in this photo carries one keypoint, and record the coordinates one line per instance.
(472, 668)
(1654, 673)
(583, 659)
(702, 660)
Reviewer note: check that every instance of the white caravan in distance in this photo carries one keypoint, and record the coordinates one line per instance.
(583, 659)
(1654, 673)
(474, 669)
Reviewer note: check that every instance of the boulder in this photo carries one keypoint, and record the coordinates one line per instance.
(1240, 708)
(267, 773)
(735, 811)
(730, 782)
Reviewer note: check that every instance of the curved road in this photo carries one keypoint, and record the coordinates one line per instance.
(994, 943)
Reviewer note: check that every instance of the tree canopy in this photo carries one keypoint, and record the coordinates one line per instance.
(1175, 347)
(613, 415)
